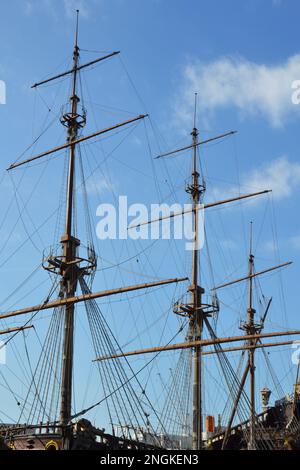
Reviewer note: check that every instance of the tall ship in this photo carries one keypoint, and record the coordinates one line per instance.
(193, 388)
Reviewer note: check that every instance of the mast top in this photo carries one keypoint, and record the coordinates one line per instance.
(251, 255)
(195, 130)
(76, 29)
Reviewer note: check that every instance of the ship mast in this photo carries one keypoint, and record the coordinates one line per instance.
(195, 309)
(251, 329)
(196, 318)
(70, 273)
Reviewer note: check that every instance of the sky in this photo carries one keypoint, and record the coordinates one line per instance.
(241, 58)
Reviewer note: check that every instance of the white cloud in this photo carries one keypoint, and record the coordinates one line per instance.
(96, 185)
(280, 175)
(253, 89)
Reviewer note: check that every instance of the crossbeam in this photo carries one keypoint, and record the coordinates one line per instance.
(202, 142)
(247, 346)
(193, 344)
(93, 295)
(13, 330)
(77, 141)
(259, 273)
(68, 72)
(201, 207)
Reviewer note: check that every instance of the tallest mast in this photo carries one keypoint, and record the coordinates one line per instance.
(70, 272)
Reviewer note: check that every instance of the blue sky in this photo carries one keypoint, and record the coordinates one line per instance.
(241, 57)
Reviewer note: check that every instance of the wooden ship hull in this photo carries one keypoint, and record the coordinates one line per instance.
(82, 436)
(279, 426)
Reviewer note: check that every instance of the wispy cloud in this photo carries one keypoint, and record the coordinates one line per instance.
(253, 89)
(281, 176)
(97, 186)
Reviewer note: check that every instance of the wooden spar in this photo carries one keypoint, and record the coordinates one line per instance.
(192, 344)
(13, 330)
(252, 275)
(263, 319)
(68, 72)
(235, 405)
(246, 346)
(201, 206)
(202, 142)
(93, 295)
(77, 141)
